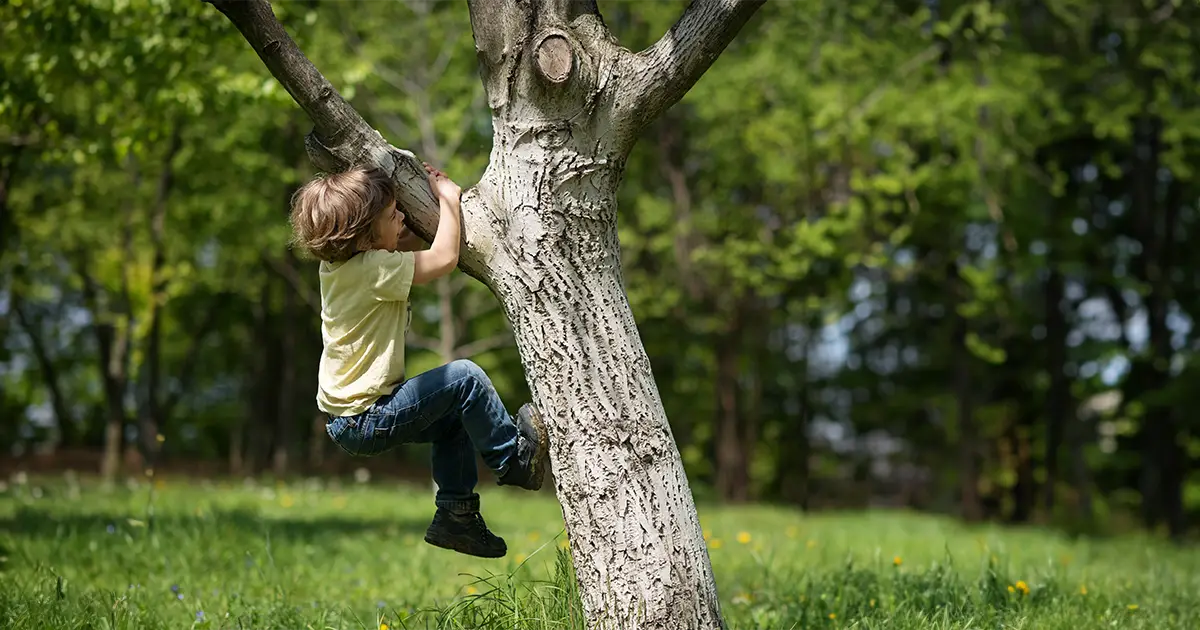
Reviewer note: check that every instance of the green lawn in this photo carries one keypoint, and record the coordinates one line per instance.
(328, 555)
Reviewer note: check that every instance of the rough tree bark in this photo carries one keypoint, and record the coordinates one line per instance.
(539, 229)
(150, 415)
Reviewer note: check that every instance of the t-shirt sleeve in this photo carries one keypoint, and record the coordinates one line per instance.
(394, 275)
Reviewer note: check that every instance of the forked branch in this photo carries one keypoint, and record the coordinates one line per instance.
(656, 78)
(340, 137)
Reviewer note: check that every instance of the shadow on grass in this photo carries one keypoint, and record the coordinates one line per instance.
(33, 523)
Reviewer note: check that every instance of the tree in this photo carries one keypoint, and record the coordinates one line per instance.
(539, 230)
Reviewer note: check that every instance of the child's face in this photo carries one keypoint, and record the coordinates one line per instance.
(391, 229)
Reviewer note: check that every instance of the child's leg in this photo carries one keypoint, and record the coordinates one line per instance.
(458, 410)
(462, 414)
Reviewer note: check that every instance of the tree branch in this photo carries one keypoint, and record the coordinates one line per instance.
(479, 346)
(189, 358)
(289, 274)
(341, 138)
(656, 78)
(420, 341)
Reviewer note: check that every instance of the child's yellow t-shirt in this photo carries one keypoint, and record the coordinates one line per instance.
(364, 315)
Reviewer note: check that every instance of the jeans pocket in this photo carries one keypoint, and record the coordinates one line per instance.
(346, 432)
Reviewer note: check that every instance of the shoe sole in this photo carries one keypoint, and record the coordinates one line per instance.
(543, 453)
(462, 547)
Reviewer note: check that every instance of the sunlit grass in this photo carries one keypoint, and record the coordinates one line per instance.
(319, 554)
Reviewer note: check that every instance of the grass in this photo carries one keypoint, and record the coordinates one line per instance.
(344, 555)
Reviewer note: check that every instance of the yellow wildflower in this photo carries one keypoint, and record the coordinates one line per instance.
(383, 626)
(1082, 590)
(832, 616)
(872, 603)
(1011, 589)
(287, 501)
(520, 558)
(743, 537)
(897, 561)
(1132, 607)
(471, 590)
(715, 543)
(1023, 587)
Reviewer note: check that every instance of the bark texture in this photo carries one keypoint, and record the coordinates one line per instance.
(540, 230)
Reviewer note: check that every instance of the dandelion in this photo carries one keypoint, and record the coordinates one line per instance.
(872, 603)
(743, 537)
(1132, 607)
(520, 558)
(1011, 589)
(896, 561)
(471, 590)
(1082, 590)
(715, 543)
(1023, 587)
(383, 626)
(832, 616)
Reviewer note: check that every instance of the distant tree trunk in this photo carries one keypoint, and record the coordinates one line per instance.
(1019, 433)
(150, 416)
(316, 446)
(972, 508)
(46, 365)
(286, 390)
(448, 339)
(261, 420)
(1058, 396)
(1162, 456)
(731, 482)
(111, 330)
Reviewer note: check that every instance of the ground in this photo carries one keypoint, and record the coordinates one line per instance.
(341, 554)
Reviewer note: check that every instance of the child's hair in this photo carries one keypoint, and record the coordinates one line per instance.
(334, 213)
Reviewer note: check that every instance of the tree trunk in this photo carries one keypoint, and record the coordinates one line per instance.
(1162, 456)
(47, 366)
(286, 390)
(1058, 396)
(972, 509)
(448, 336)
(540, 230)
(731, 478)
(150, 417)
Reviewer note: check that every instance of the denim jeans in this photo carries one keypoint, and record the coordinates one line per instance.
(454, 407)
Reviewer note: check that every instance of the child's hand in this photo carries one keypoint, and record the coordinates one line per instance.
(442, 185)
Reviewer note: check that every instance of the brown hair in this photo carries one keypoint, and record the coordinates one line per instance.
(334, 213)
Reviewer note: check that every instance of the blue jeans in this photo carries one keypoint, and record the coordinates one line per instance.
(454, 407)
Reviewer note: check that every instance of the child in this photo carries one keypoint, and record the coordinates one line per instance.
(350, 222)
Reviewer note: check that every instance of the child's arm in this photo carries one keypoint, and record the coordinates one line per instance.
(442, 256)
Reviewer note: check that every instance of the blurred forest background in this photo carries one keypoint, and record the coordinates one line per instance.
(894, 253)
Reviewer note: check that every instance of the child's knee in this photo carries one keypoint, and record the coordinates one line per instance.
(467, 367)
